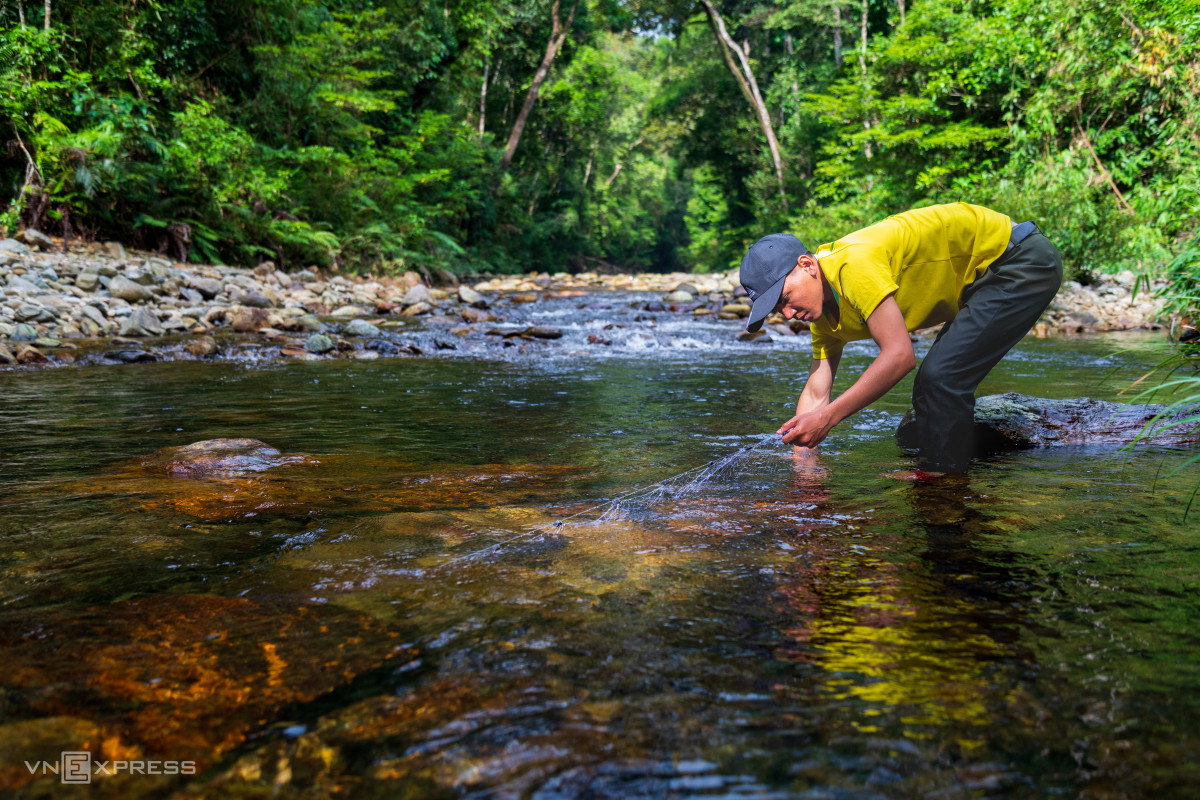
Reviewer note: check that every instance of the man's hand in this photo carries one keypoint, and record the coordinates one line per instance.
(807, 429)
(816, 415)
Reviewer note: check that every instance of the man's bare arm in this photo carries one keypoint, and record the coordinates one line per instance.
(819, 385)
(895, 360)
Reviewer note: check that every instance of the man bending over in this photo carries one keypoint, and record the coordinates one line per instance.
(988, 278)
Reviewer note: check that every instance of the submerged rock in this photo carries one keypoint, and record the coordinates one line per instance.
(220, 458)
(1015, 421)
(177, 676)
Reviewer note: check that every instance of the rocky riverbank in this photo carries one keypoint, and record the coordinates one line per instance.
(98, 303)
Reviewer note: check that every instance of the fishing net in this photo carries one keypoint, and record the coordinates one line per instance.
(640, 501)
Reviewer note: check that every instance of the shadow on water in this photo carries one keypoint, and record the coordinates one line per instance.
(440, 600)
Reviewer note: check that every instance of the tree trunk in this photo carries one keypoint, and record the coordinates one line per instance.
(47, 14)
(1104, 173)
(621, 161)
(749, 87)
(837, 37)
(900, 5)
(21, 13)
(483, 96)
(558, 34)
(862, 66)
(862, 48)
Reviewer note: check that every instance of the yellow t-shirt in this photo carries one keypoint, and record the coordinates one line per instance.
(925, 256)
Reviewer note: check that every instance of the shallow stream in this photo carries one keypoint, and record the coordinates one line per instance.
(340, 626)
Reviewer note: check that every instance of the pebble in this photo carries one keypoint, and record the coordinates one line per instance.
(128, 290)
(88, 291)
(247, 320)
(24, 333)
(207, 287)
(202, 347)
(31, 355)
(318, 343)
(360, 327)
(542, 332)
(475, 315)
(416, 295)
(472, 297)
(416, 309)
(35, 238)
(142, 322)
(130, 355)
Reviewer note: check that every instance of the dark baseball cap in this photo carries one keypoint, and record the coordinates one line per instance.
(765, 265)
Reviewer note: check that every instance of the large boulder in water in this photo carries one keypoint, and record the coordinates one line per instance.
(221, 458)
(1015, 421)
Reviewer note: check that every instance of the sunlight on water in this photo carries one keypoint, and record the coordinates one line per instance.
(560, 578)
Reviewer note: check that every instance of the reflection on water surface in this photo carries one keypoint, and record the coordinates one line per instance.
(337, 626)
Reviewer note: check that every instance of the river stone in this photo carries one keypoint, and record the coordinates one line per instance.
(92, 313)
(678, 297)
(755, 337)
(251, 299)
(360, 327)
(127, 290)
(318, 343)
(23, 285)
(687, 287)
(741, 309)
(542, 332)
(130, 355)
(27, 312)
(1016, 421)
(415, 295)
(248, 320)
(6, 356)
(202, 347)
(309, 323)
(350, 311)
(116, 250)
(471, 297)
(140, 277)
(475, 315)
(417, 309)
(31, 355)
(142, 322)
(208, 287)
(218, 458)
(35, 238)
(24, 333)
(47, 341)
(12, 246)
(88, 281)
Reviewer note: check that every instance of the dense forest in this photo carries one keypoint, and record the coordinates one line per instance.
(495, 135)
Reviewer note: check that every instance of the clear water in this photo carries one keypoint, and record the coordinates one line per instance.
(805, 630)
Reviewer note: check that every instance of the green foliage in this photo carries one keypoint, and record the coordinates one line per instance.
(365, 134)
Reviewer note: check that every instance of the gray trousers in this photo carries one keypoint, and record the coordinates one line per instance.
(998, 309)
